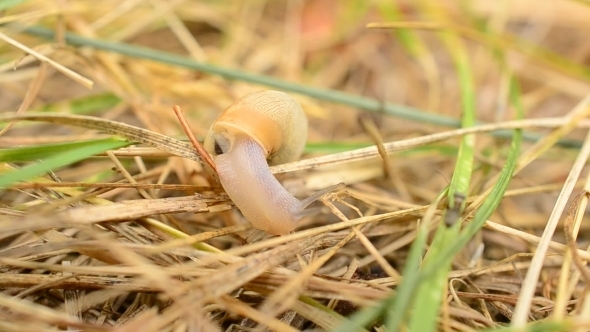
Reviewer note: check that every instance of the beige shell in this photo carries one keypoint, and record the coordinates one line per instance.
(271, 118)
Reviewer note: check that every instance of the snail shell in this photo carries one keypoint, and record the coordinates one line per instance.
(271, 118)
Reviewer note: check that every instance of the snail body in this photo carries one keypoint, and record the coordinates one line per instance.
(262, 128)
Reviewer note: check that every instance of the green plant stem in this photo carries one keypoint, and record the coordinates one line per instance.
(365, 103)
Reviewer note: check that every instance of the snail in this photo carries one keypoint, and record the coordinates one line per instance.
(261, 128)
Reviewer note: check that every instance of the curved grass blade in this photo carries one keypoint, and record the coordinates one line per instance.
(430, 290)
(497, 192)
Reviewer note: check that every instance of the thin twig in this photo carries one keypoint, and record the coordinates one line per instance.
(189, 133)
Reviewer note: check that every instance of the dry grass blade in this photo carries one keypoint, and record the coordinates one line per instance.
(113, 212)
(571, 227)
(285, 296)
(66, 71)
(27, 311)
(568, 280)
(32, 92)
(371, 152)
(74, 282)
(256, 315)
(131, 133)
(533, 239)
(525, 298)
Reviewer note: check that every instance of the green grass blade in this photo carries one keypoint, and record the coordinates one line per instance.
(84, 105)
(497, 192)
(402, 301)
(7, 4)
(431, 288)
(333, 147)
(428, 299)
(42, 151)
(395, 306)
(464, 167)
(435, 269)
(410, 41)
(60, 159)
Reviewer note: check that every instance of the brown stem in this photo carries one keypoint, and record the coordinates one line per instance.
(189, 133)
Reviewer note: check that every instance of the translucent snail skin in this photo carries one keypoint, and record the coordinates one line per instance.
(261, 128)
